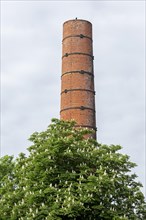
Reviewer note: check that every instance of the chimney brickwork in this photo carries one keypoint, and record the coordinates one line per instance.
(77, 80)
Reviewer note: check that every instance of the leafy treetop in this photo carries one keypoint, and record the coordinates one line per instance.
(69, 177)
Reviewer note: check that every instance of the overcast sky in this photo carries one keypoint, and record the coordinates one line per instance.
(31, 42)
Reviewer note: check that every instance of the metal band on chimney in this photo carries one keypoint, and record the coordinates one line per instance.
(79, 35)
(78, 107)
(77, 53)
(78, 71)
(72, 90)
(87, 126)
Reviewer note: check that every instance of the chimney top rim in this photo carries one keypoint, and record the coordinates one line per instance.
(76, 20)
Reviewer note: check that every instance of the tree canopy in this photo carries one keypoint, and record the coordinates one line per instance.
(70, 177)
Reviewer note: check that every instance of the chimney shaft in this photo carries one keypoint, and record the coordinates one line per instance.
(77, 84)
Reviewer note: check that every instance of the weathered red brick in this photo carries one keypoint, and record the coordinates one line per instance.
(77, 86)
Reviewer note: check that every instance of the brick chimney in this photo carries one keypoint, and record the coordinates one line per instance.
(77, 80)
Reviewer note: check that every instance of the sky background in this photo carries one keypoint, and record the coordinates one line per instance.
(31, 44)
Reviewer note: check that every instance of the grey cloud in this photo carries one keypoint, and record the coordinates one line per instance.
(31, 69)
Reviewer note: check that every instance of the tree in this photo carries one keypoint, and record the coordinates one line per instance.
(67, 176)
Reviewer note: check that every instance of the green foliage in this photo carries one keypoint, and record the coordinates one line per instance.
(69, 177)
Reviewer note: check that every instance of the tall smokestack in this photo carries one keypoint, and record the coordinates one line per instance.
(77, 84)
